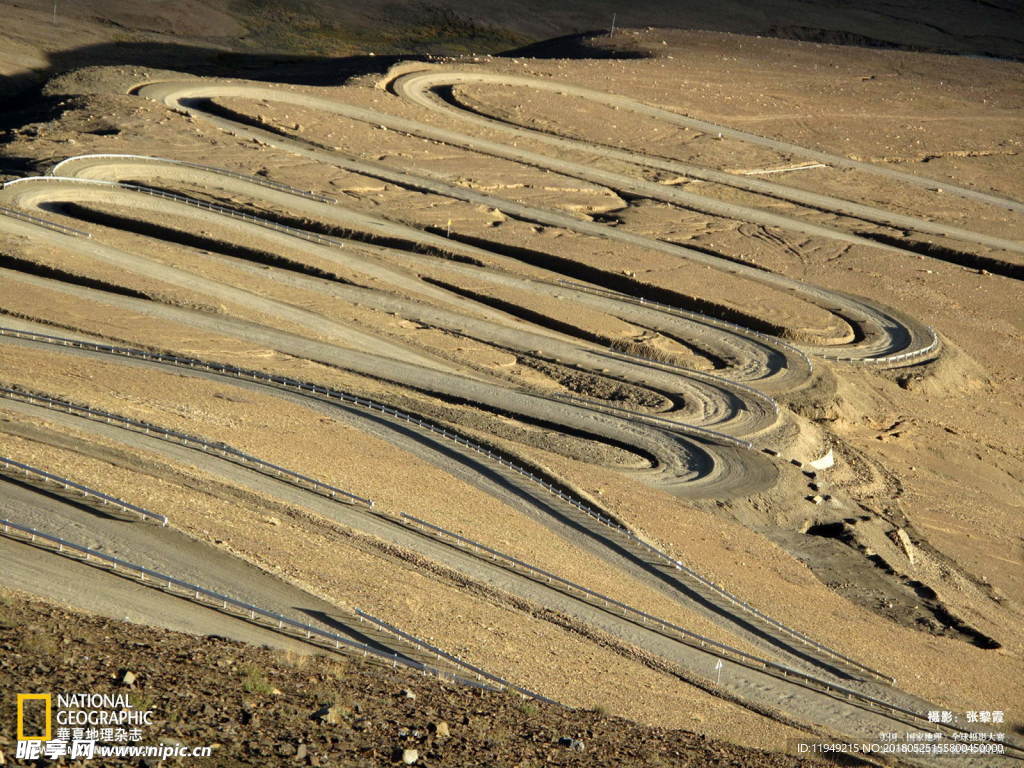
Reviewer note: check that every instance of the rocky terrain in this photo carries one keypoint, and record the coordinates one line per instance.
(277, 708)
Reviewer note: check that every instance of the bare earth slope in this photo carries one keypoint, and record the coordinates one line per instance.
(578, 329)
(43, 39)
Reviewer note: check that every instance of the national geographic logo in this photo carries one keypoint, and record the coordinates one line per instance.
(34, 709)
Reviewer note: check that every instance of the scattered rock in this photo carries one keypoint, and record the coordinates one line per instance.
(127, 678)
(327, 714)
(406, 693)
(287, 732)
(574, 744)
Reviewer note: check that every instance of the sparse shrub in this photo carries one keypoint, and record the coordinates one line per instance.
(141, 701)
(333, 667)
(255, 681)
(292, 659)
(39, 643)
(529, 709)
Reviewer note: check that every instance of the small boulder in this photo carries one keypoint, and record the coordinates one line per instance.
(286, 750)
(410, 756)
(574, 744)
(327, 714)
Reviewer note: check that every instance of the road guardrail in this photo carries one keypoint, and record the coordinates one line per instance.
(47, 478)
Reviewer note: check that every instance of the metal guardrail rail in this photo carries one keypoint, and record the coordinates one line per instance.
(237, 608)
(259, 180)
(6, 466)
(509, 562)
(682, 635)
(14, 213)
(424, 527)
(219, 449)
(184, 200)
(882, 360)
(290, 384)
(888, 359)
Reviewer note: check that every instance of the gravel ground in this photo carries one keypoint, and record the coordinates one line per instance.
(258, 706)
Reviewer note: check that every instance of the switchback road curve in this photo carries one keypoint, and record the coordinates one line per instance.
(862, 330)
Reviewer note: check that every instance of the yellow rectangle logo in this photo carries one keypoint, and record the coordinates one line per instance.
(44, 697)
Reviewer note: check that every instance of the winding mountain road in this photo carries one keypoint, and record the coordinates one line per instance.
(714, 433)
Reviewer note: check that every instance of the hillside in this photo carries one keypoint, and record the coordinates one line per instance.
(671, 375)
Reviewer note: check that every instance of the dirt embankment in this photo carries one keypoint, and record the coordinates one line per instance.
(266, 702)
